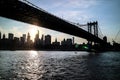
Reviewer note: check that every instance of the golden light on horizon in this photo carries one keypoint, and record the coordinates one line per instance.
(33, 30)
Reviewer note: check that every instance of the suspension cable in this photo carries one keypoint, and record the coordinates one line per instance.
(117, 35)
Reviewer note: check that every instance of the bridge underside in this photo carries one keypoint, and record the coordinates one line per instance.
(20, 11)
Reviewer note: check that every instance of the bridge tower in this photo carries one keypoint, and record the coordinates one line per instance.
(93, 29)
(95, 26)
(90, 31)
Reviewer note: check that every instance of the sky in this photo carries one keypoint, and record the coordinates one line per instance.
(106, 12)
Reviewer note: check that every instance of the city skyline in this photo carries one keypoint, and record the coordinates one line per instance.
(27, 38)
(44, 42)
(80, 11)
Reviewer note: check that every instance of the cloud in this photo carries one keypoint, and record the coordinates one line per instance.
(79, 4)
(73, 10)
(74, 16)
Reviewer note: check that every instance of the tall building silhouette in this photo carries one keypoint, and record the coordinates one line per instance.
(69, 41)
(24, 38)
(63, 42)
(36, 41)
(42, 42)
(10, 36)
(28, 37)
(3, 36)
(16, 39)
(0, 35)
(37, 36)
(48, 40)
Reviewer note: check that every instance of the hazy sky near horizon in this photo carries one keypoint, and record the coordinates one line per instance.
(106, 12)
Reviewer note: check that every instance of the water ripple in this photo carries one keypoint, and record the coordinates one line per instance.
(55, 65)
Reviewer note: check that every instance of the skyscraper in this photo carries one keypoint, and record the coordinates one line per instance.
(42, 40)
(69, 41)
(28, 37)
(10, 36)
(24, 38)
(63, 42)
(37, 38)
(48, 40)
(0, 35)
(3, 36)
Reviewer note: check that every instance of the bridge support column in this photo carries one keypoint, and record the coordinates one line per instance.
(89, 27)
(95, 25)
(90, 31)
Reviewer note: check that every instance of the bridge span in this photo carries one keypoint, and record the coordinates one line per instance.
(25, 12)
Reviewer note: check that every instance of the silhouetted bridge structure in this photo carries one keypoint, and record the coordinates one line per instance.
(29, 13)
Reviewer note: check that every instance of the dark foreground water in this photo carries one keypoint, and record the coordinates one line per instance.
(59, 65)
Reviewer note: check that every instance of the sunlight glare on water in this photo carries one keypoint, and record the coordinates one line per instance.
(59, 65)
(33, 54)
(29, 67)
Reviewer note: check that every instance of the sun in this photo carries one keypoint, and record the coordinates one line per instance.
(33, 31)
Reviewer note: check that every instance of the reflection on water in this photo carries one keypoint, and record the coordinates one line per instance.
(54, 65)
(33, 54)
(28, 68)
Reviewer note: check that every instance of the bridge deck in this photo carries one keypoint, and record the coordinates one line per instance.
(20, 11)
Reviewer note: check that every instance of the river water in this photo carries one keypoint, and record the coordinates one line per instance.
(59, 65)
